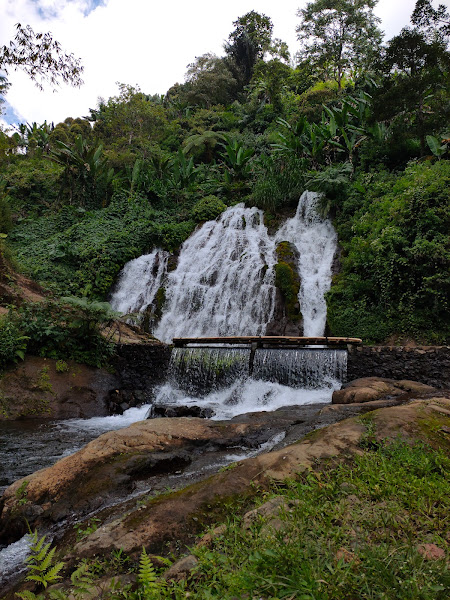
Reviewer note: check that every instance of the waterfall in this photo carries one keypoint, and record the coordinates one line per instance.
(224, 281)
(315, 240)
(301, 367)
(224, 285)
(230, 382)
(138, 283)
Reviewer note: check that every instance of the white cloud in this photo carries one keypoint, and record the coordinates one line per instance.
(144, 42)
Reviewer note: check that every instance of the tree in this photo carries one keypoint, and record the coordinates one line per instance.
(249, 42)
(431, 20)
(340, 37)
(41, 57)
(210, 81)
(415, 70)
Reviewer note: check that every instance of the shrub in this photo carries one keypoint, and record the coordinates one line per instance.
(208, 208)
(396, 258)
(68, 329)
(13, 342)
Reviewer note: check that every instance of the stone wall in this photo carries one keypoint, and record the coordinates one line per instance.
(139, 368)
(428, 364)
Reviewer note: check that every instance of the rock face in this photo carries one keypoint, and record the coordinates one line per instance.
(110, 467)
(428, 364)
(369, 389)
(171, 519)
(140, 367)
(287, 318)
(46, 388)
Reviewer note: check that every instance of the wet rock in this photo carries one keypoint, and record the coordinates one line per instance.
(369, 389)
(109, 467)
(173, 410)
(46, 388)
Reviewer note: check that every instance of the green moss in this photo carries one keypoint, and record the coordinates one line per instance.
(287, 281)
(435, 429)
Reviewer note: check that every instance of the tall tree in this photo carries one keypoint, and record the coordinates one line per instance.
(41, 57)
(340, 37)
(249, 42)
(416, 74)
(432, 20)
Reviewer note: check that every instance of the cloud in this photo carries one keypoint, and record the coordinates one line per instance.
(144, 42)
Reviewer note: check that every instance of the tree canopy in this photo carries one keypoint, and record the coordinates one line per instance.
(339, 37)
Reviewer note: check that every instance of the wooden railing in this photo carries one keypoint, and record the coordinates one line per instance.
(272, 341)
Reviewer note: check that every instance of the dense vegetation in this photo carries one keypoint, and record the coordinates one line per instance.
(361, 121)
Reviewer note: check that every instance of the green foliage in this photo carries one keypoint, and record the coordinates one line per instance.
(40, 564)
(68, 329)
(339, 37)
(13, 342)
(343, 531)
(85, 529)
(21, 493)
(87, 175)
(396, 261)
(279, 181)
(208, 208)
(61, 366)
(149, 587)
(436, 147)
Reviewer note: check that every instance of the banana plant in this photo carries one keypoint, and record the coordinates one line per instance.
(237, 158)
(86, 174)
(184, 172)
(436, 147)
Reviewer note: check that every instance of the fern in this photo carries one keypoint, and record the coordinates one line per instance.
(40, 563)
(82, 581)
(150, 586)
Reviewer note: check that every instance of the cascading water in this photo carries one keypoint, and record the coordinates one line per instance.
(316, 240)
(301, 367)
(224, 282)
(224, 285)
(139, 282)
(232, 381)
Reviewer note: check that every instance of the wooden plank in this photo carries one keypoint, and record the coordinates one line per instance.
(269, 340)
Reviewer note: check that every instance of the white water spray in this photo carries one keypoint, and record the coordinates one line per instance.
(138, 282)
(224, 282)
(315, 240)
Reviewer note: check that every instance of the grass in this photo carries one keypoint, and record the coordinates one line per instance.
(342, 531)
(353, 532)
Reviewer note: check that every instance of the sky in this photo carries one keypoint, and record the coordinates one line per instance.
(143, 43)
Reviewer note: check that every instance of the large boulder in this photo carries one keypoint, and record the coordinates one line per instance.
(369, 389)
(107, 469)
(176, 518)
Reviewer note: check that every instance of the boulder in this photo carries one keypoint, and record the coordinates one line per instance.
(175, 410)
(107, 469)
(369, 389)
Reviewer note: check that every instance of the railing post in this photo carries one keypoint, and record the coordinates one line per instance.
(251, 360)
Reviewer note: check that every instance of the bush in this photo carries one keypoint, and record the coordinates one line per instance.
(68, 329)
(208, 208)
(396, 258)
(13, 343)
